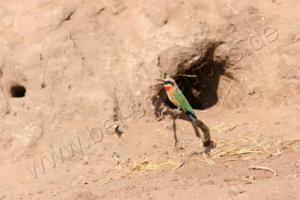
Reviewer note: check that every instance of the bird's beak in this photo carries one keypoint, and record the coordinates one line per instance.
(161, 80)
(160, 83)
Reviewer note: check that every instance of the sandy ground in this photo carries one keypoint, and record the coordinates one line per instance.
(257, 156)
(71, 55)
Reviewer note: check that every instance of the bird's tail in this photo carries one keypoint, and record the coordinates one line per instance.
(194, 123)
(206, 135)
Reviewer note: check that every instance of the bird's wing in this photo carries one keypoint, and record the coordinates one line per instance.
(183, 102)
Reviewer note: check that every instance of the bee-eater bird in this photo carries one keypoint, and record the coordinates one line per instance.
(176, 96)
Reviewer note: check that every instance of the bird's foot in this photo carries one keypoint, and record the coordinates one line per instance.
(177, 112)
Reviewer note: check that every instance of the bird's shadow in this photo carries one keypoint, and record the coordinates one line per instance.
(206, 149)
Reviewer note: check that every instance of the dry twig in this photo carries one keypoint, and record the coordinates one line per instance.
(263, 168)
(180, 165)
(181, 115)
(117, 117)
(237, 125)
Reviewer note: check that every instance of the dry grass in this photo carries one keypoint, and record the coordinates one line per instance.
(148, 165)
(251, 148)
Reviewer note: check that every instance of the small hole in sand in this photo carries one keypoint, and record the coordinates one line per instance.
(43, 85)
(17, 91)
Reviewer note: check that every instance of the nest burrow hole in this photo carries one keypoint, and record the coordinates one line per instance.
(199, 83)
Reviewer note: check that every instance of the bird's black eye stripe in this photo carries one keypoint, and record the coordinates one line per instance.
(169, 82)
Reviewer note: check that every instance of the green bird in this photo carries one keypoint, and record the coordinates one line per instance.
(176, 96)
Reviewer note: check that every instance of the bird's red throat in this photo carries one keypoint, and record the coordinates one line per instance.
(168, 87)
